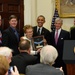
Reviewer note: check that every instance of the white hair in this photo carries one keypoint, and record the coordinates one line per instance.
(5, 51)
(48, 54)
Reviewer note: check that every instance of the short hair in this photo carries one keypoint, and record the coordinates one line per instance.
(48, 54)
(13, 16)
(41, 16)
(4, 65)
(27, 27)
(59, 19)
(24, 44)
(5, 51)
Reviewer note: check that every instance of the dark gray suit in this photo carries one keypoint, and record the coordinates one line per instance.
(42, 69)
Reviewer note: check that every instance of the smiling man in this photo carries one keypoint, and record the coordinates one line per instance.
(40, 30)
(58, 37)
(11, 35)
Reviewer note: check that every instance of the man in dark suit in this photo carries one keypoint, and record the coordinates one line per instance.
(40, 30)
(48, 55)
(10, 36)
(58, 42)
(72, 31)
(24, 58)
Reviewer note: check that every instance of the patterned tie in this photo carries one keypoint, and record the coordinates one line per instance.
(56, 37)
(38, 31)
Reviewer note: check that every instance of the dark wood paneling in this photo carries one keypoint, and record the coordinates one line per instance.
(9, 7)
(70, 69)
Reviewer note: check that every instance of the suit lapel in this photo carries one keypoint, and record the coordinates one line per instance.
(42, 31)
(60, 36)
(12, 32)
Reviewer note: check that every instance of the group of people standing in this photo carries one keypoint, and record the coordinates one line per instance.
(11, 37)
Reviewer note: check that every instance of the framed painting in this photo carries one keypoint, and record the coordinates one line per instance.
(66, 8)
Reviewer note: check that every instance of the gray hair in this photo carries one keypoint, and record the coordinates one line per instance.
(48, 55)
(5, 51)
(59, 19)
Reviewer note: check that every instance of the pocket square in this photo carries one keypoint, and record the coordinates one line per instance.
(61, 38)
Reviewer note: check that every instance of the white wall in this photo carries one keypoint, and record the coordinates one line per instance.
(34, 8)
(46, 8)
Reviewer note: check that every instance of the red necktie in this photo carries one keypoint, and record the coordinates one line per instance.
(56, 37)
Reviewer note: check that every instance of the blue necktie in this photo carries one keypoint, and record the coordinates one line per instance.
(16, 33)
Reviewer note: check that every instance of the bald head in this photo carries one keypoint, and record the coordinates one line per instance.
(24, 44)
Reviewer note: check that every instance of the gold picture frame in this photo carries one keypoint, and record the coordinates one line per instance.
(66, 8)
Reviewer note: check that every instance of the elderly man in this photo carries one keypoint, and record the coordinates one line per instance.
(7, 52)
(58, 37)
(5, 59)
(48, 55)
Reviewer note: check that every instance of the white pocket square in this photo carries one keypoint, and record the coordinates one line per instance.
(61, 38)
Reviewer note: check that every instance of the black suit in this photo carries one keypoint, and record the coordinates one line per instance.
(22, 60)
(64, 35)
(10, 40)
(72, 33)
(44, 32)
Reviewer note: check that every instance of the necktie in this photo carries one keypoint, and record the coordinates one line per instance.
(38, 31)
(16, 33)
(56, 37)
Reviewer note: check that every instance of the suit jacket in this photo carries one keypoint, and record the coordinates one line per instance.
(10, 40)
(42, 69)
(64, 35)
(44, 32)
(72, 33)
(22, 60)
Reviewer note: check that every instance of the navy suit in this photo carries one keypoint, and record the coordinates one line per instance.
(10, 40)
(64, 35)
(42, 69)
(22, 60)
(44, 32)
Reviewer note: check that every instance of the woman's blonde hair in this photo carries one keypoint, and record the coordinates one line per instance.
(27, 27)
(4, 65)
